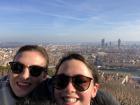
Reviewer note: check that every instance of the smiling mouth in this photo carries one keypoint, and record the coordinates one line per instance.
(23, 85)
(70, 100)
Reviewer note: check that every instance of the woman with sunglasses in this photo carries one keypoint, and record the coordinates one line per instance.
(28, 70)
(75, 81)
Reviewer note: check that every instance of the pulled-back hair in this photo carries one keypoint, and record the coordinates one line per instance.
(79, 57)
(34, 48)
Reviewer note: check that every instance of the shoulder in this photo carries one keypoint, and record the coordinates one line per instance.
(104, 98)
(43, 91)
(6, 97)
(4, 78)
(4, 81)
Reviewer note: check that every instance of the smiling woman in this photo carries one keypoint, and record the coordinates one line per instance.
(28, 70)
(75, 82)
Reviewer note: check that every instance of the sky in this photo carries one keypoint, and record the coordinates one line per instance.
(69, 20)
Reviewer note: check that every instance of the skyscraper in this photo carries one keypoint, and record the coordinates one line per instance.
(119, 43)
(103, 43)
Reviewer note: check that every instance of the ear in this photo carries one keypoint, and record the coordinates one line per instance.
(95, 89)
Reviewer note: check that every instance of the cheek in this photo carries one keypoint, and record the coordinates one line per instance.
(87, 95)
(13, 77)
(85, 98)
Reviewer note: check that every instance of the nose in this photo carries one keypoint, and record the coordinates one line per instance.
(70, 88)
(25, 74)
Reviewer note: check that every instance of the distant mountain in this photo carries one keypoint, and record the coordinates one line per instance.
(12, 44)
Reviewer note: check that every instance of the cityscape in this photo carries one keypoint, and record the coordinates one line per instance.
(115, 56)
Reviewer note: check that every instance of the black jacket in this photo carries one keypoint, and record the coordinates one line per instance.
(104, 98)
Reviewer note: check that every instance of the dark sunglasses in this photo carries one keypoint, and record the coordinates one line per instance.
(34, 70)
(80, 82)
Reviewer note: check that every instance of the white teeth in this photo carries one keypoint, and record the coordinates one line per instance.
(23, 84)
(70, 99)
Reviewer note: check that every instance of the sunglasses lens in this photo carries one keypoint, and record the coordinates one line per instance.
(60, 81)
(36, 70)
(16, 67)
(81, 83)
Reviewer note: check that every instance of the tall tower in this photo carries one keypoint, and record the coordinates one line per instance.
(119, 43)
(103, 43)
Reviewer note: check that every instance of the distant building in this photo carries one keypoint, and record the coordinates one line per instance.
(103, 43)
(119, 43)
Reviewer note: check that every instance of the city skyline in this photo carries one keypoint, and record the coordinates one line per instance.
(69, 20)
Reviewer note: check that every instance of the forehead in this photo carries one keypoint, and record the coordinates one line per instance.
(74, 67)
(30, 57)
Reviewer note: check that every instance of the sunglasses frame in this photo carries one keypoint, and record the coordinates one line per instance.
(33, 72)
(66, 79)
